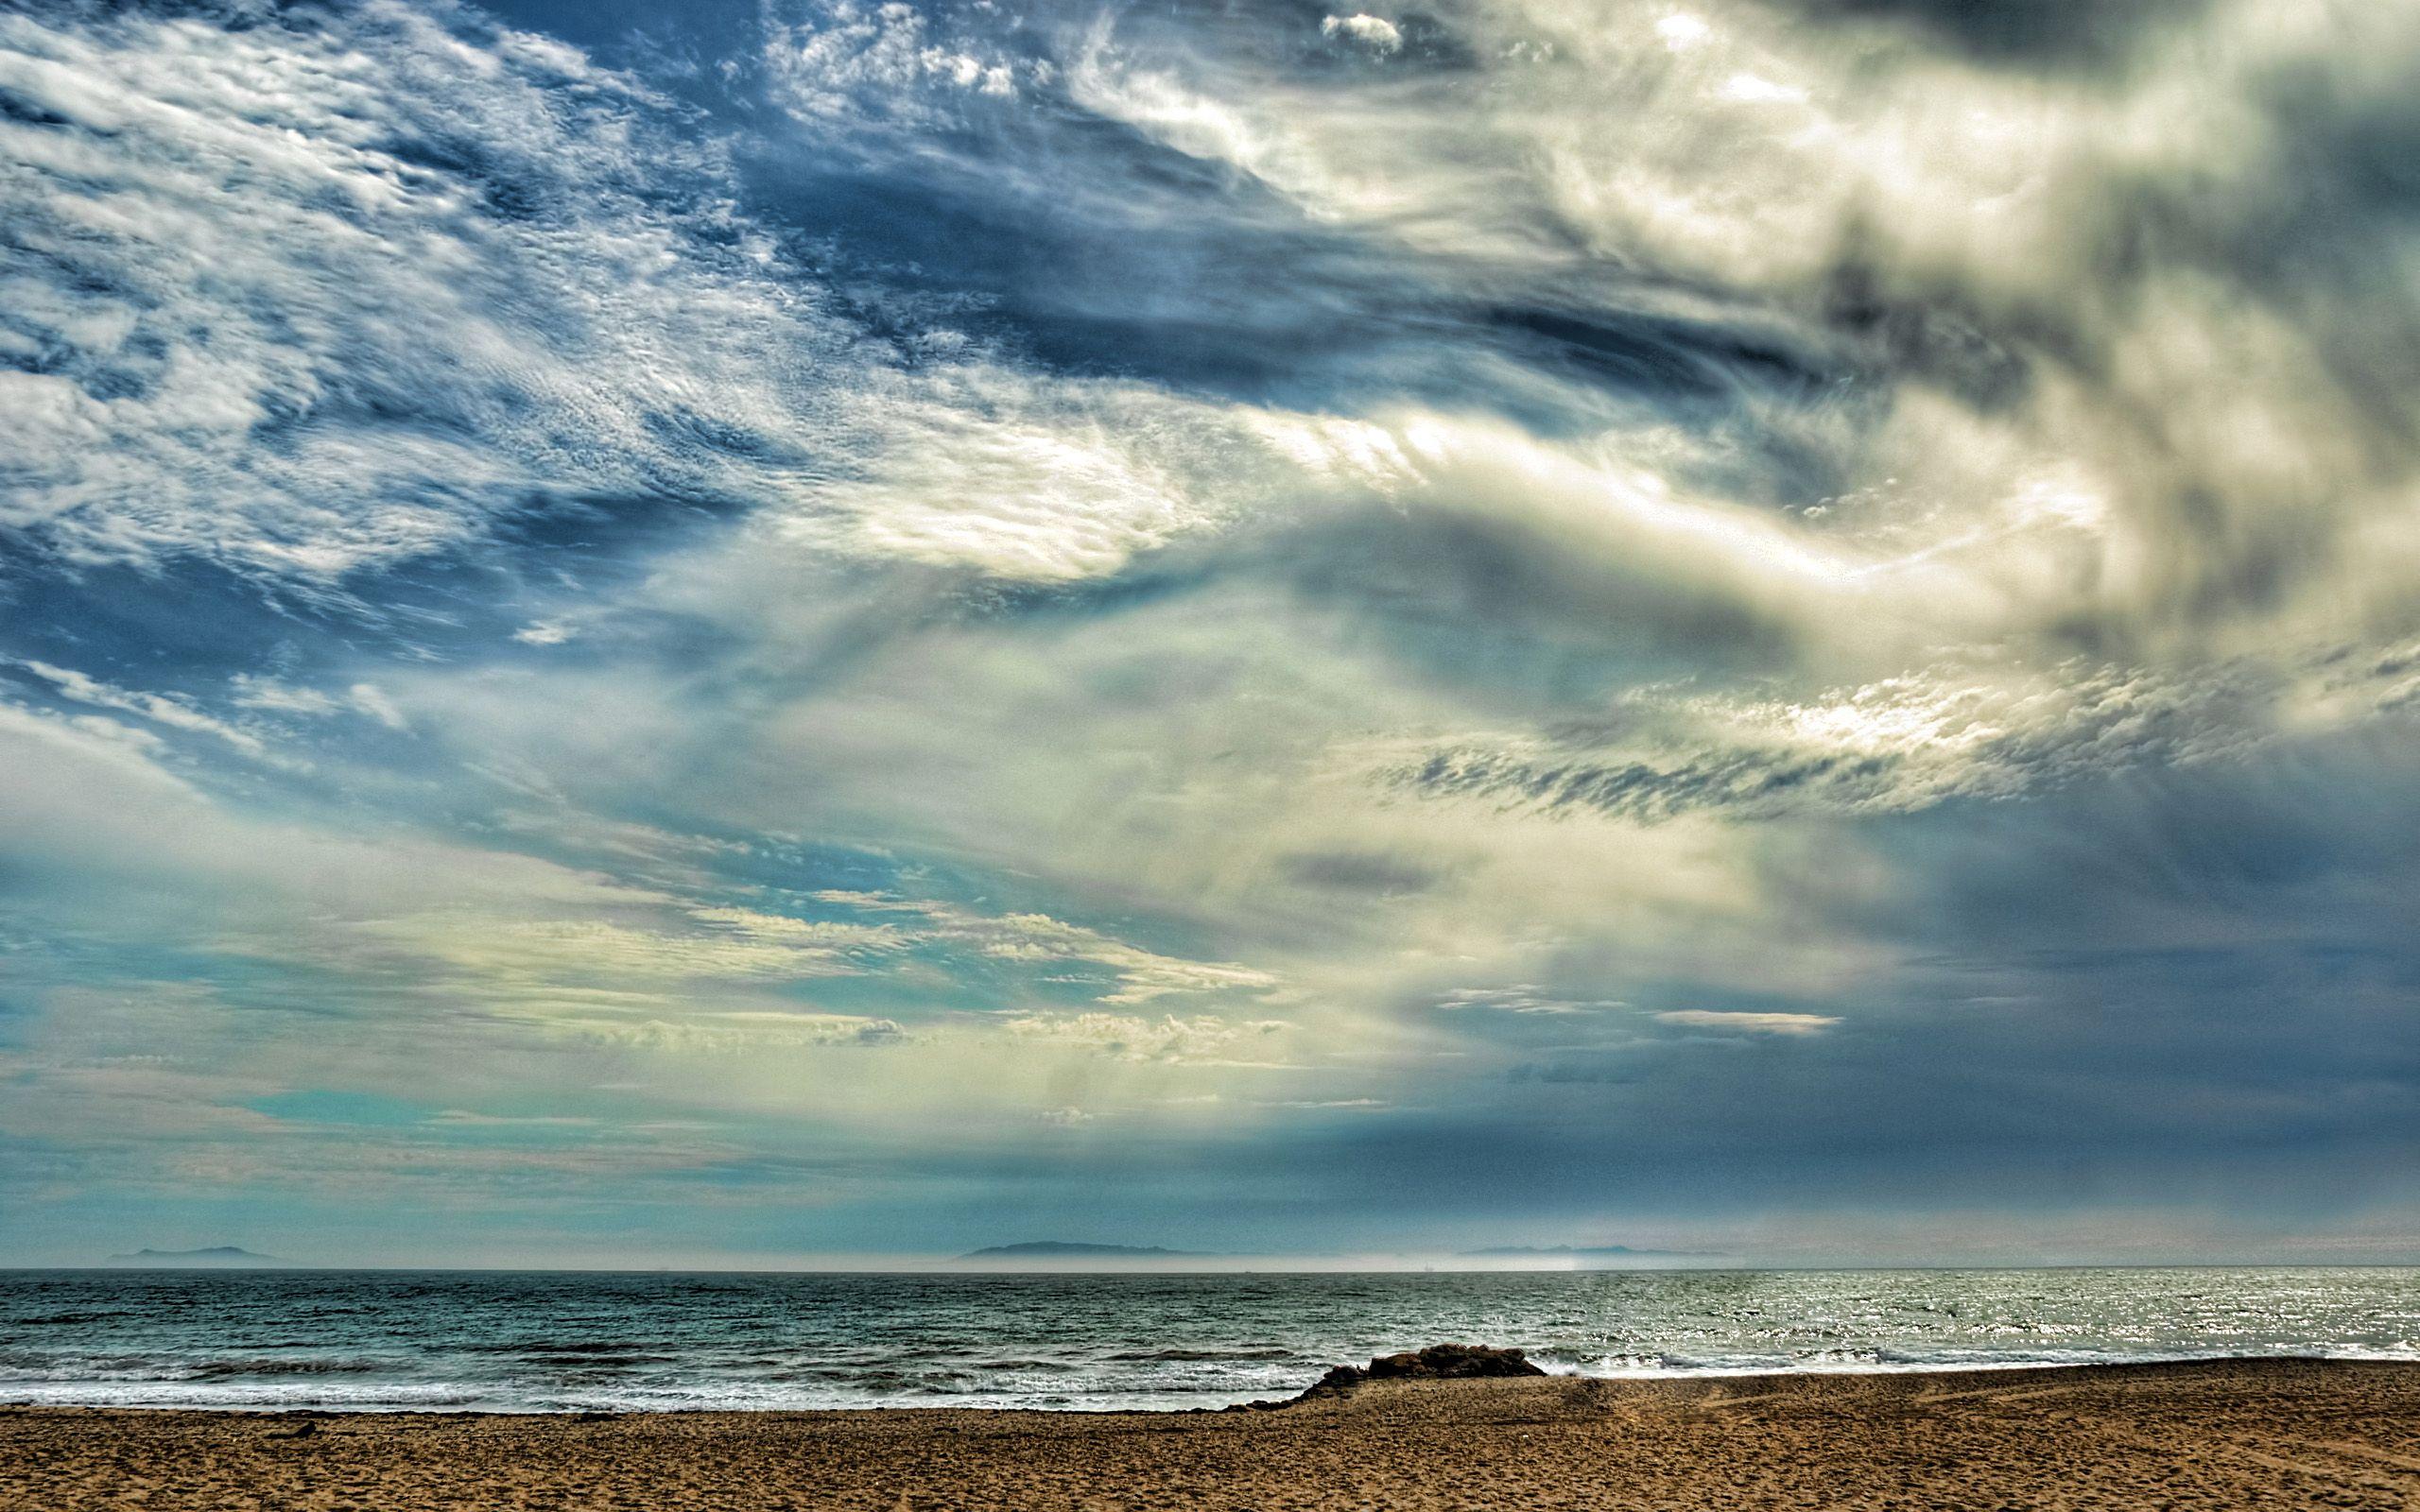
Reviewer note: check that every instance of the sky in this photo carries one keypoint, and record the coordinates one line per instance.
(751, 633)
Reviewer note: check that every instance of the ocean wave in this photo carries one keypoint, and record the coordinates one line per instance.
(501, 1342)
(42, 1369)
(575, 1348)
(386, 1397)
(1251, 1353)
(218, 1369)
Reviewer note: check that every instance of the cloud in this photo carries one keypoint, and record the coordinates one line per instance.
(335, 278)
(1093, 552)
(2044, 32)
(1200, 1040)
(1142, 975)
(501, 281)
(175, 713)
(1374, 32)
(745, 1032)
(1137, 976)
(806, 934)
(1794, 1025)
(1523, 999)
(368, 699)
(848, 58)
(980, 470)
(270, 695)
(1902, 743)
(462, 1118)
(1883, 216)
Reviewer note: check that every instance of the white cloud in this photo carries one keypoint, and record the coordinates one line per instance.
(1199, 1040)
(160, 709)
(1899, 744)
(279, 389)
(1374, 32)
(982, 468)
(272, 262)
(740, 1033)
(1682, 30)
(1523, 999)
(463, 1117)
(1752, 90)
(274, 696)
(850, 59)
(1891, 207)
(367, 699)
(1795, 1025)
(1140, 975)
(810, 934)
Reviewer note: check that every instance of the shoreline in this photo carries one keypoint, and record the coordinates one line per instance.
(2175, 1435)
(1748, 1375)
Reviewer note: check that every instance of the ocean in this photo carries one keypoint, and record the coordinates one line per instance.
(564, 1341)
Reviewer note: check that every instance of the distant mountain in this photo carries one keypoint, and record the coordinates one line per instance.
(1062, 1249)
(218, 1255)
(1566, 1252)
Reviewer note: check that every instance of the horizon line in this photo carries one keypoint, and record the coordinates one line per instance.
(1274, 1264)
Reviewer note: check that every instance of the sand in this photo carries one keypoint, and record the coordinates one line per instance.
(2229, 1435)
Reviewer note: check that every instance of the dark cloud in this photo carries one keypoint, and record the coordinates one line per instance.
(1359, 871)
(1753, 784)
(2033, 33)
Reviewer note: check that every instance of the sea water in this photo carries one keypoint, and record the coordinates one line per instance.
(533, 1341)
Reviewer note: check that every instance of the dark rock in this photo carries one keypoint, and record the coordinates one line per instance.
(1452, 1362)
(1439, 1362)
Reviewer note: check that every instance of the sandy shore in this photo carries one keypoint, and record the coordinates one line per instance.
(2219, 1435)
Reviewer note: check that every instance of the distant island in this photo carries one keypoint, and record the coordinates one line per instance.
(1569, 1252)
(1062, 1249)
(1062, 1254)
(217, 1255)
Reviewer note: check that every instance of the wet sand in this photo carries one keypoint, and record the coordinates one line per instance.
(2230, 1435)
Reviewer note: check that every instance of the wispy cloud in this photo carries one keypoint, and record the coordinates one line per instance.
(176, 714)
(1126, 1037)
(1791, 1024)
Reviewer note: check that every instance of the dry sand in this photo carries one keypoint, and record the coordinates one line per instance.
(2229, 1435)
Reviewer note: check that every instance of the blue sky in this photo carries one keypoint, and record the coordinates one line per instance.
(740, 634)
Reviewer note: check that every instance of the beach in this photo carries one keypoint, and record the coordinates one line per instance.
(2216, 1434)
